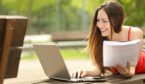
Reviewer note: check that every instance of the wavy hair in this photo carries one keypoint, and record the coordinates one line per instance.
(115, 14)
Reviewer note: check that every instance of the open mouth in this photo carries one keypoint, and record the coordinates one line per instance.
(103, 31)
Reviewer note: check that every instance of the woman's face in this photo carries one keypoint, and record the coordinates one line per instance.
(103, 23)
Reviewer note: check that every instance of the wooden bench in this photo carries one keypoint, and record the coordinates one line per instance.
(70, 38)
(12, 32)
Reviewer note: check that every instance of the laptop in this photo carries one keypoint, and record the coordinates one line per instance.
(54, 66)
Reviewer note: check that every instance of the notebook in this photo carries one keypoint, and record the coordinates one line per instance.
(54, 66)
(115, 52)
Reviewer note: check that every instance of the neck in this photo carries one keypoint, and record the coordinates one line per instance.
(114, 37)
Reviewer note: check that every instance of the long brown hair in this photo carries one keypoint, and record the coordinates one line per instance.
(115, 14)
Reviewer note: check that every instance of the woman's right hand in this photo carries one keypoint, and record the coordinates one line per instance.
(79, 74)
(84, 73)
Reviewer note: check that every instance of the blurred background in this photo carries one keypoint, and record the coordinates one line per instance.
(49, 16)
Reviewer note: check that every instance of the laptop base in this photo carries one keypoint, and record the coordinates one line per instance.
(86, 79)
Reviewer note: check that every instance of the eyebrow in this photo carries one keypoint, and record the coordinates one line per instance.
(102, 19)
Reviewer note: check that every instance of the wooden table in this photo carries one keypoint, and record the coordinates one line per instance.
(32, 73)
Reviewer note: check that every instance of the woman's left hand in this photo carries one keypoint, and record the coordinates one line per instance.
(124, 71)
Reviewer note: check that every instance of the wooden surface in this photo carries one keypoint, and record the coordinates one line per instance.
(32, 73)
(12, 30)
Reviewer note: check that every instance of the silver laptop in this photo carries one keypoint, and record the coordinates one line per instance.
(54, 66)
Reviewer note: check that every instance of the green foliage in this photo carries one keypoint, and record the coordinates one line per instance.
(46, 16)
(74, 53)
(134, 12)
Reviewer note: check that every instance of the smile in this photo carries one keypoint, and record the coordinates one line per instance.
(104, 30)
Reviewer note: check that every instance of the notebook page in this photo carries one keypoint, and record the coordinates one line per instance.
(120, 52)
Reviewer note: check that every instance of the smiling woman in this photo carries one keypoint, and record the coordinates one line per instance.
(108, 25)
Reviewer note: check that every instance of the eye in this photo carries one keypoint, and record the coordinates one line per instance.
(105, 21)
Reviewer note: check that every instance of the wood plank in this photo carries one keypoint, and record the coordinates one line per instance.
(5, 50)
(69, 36)
(34, 74)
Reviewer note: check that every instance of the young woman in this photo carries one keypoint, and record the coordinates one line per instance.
(108, 25)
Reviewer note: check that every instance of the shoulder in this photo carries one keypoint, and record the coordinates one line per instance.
(136, 33)
(136, 30)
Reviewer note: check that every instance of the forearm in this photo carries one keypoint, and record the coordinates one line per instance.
(132, 70)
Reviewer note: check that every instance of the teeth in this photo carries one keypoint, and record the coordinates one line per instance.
(103, 30)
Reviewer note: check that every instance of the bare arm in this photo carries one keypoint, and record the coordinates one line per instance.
(129, 71)
(137, 33)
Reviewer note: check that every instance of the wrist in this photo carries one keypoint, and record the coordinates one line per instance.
(93, 72)
(127, 76)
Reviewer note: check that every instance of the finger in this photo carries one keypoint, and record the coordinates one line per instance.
(120, 69)
(128, 67)
(79, 74)
(128, 64)
(73, 74)
(83, 74)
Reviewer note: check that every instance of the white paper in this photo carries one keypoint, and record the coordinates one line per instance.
(120, 52)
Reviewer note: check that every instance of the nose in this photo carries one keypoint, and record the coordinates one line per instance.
(100, 25)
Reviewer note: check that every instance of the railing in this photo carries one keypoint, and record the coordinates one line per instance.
(47, 39)
(63, 40)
